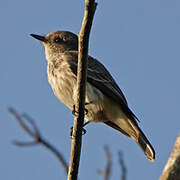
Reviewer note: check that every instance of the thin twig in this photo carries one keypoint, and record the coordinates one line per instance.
(106, 173)
(109, 164)
(172, 168)
(30, 120)
(36, 135)
(21, 123)
(90, 7)
(122, 165)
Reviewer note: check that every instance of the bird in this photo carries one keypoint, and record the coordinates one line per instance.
(105, 102)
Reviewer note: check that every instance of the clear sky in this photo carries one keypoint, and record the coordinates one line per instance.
(137, 40)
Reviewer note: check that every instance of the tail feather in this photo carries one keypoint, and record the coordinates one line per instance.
(142, 141)
(115, 126)
(145, 145)
(131, 129)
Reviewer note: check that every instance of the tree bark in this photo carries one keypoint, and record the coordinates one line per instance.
(172, 168)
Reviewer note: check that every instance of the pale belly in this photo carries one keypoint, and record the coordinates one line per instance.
(64, 87)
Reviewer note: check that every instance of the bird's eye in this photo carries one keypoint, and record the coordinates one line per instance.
(57, 40)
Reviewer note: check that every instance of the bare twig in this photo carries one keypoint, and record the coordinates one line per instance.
(90, 7)
(36, 135)
(122, 165)
(106, 173)
(172, 168)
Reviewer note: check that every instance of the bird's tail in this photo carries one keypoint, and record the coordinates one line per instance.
(131, 129)
(145, 145)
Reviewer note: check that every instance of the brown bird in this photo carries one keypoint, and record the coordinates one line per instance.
(105, 101)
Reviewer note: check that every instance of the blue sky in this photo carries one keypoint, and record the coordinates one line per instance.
(138, 41)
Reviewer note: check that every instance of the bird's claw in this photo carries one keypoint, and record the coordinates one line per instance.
(71, 132)
(85, 111)
(74, 112)
(83, 131)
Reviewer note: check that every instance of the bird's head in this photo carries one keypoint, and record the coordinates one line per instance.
(58, 42)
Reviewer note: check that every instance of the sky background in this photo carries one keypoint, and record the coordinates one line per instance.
(137, 40)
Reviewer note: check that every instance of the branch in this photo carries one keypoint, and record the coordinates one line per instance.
(106, 173)
(90, 7)
(172, 168)
(36, 135)
(123, 167)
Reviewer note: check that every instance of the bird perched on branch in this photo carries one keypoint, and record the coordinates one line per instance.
(104, 100)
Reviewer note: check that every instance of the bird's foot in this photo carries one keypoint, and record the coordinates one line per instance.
(85, 111)
(74, 112)
(83, 130)
(87, 103)
(71, 132)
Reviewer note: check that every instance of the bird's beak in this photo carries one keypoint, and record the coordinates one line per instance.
(41, 38)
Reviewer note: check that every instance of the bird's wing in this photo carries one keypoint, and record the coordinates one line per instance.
(99, 77)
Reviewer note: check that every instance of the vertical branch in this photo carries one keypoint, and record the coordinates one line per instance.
(109, 163)
(107, 172)
(90, 7)
(122, 166)
(172, 168)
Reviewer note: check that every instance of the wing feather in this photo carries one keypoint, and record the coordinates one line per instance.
(99, 77)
